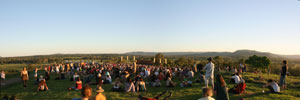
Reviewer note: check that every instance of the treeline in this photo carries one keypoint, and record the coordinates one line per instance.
(160, 59)
(30, 60)
(58, 58)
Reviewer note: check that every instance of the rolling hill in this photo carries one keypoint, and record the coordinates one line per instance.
(243, 53)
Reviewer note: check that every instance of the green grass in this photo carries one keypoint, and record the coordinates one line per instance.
(58, 90)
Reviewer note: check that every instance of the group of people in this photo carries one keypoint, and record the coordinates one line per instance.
(220, 88)
(136, 78)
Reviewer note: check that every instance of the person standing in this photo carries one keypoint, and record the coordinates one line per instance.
(24, 77)
(2, 78)
(209, 75)
(284, 70)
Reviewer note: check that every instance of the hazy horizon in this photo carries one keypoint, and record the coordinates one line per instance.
(35, 27)
(152, 51)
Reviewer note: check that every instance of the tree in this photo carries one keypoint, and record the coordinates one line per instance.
(258, 62)
(182, 61)
(159, 59)
(219, 61)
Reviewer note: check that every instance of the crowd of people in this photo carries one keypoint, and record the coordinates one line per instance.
(137, 77)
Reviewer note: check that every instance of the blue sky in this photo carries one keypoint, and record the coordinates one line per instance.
(33, 27)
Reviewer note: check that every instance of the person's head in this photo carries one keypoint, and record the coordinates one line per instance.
(78, 79)
(285, 62)
(207, 92)
(220, 80)
(210, 59)
(99, 89)
(270, 81)
(24, 69)
(42, 81)
(141, 79)
(86, 91)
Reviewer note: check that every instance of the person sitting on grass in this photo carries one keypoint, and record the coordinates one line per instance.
(42, 86)
(78, 85)
(107, 79)
(140, 97)
(273, 86)
(86, 93)
(190, 74)
(186, 83)
(239, 88)
(41, 78)
(75, 76)
(207, 94)
(235, 79)
(156, 83)
(170, 83)
(140, 85)
(117, 85)
(99, 95)
(201, 78)
(129, 86)
(220, 88)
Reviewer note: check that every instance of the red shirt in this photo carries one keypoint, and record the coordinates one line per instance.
(79, 85)
(240, 88)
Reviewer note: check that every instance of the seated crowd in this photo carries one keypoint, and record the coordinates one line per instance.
(136, 78)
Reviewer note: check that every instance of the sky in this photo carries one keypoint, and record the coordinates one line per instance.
(38, 27)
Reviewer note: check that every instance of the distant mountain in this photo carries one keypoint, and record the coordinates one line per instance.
(244, 53)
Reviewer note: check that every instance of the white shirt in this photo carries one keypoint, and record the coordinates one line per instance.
(209, 68)
(275, 86)
(156, 73)
(236, 79)
(207, 98)
(191, 74)
(75, 77)
(108, 78)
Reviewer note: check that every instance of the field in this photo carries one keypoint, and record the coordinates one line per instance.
(58, 90)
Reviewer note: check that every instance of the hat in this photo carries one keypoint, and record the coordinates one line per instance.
(99, 89)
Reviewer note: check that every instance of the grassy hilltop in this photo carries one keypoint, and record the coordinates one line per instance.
(58, 90)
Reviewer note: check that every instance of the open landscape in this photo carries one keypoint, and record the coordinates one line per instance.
(58, 88)
(149, 50)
